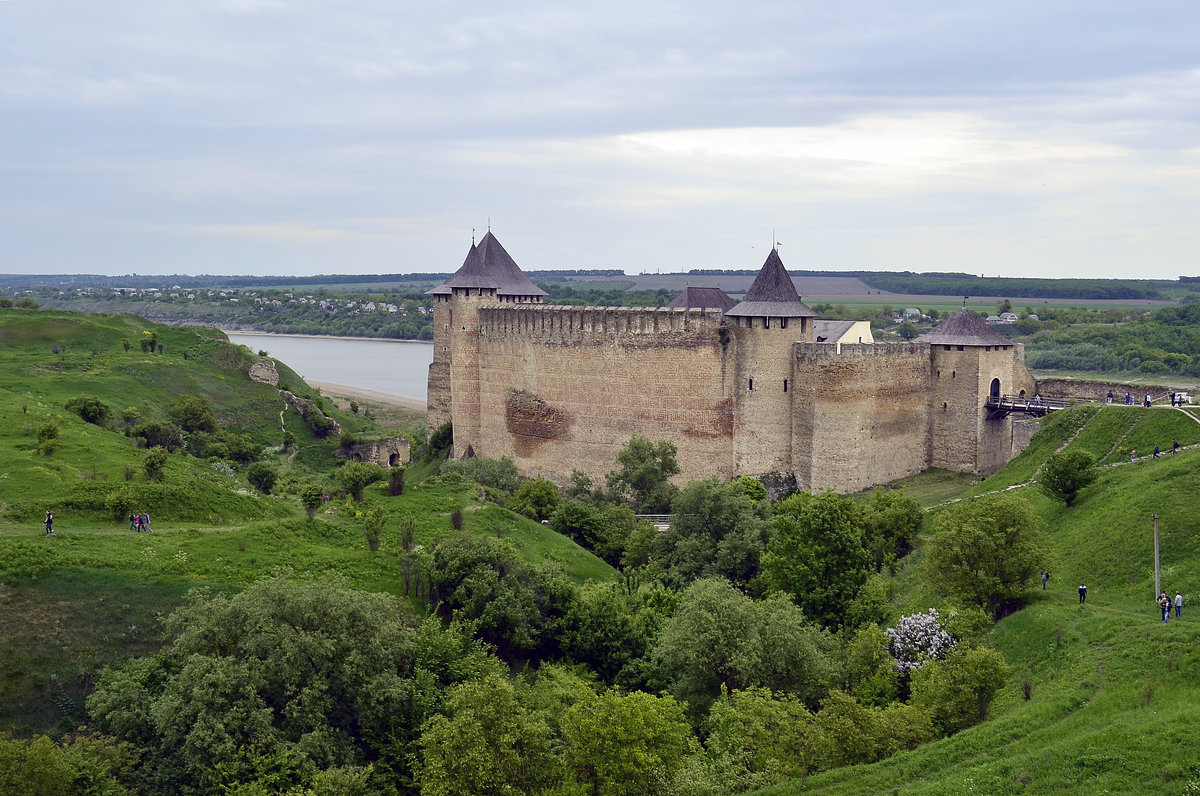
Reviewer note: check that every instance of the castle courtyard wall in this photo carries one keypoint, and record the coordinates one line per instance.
(861, 414)
(563, 388)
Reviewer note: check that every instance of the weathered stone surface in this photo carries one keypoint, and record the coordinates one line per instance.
(264, 372)
(388, 452)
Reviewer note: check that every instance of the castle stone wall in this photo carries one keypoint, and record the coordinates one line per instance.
(861, 414)
(763, 391)
(564, 388)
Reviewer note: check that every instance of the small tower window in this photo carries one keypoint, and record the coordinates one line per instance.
(785, 385)
(751, 389)
(783, 323)
(953, 373)
(960, 348)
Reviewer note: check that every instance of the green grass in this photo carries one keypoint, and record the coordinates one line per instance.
(92, 596)
(1115, 694)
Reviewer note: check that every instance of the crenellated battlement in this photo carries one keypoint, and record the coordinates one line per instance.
(584, 324)
(815, 353)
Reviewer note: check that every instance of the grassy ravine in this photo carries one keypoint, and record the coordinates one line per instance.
(1115, 694)
(93, 595)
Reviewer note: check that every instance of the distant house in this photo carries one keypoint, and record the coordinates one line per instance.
(911, 312)
(993, 319)
(842, 331)
(1008, 317)
(1033, 317)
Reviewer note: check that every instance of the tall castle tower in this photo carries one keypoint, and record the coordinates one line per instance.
(764, 326)
(969, 361)
(487, 276)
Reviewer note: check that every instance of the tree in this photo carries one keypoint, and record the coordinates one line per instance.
(48, 435)
(396, 481)
(907, 330)
(536, 499)
(90, 408)
(153, 464)
(720, 637)
(373, 524)
(985, 551)
(194, 413)
(312, 673)
(486, 743)
(616, 744)
(311, 497)
(601, 630)
(262, 477)
(645, 468)
(1065, 473)
(959, 690)
(355, 477)
(891, 522)
(716, 530)
(494, 473)
(817, 556)
(163, 435)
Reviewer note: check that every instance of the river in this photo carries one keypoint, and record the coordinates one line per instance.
(391, 367)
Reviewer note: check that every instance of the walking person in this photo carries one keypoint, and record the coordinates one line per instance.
(1156, 450)
(1178, 604)
(146, 521)
(133, 522)
(49, 522)
(1174, 447)
(1164, 602)
(1110, 396)
(1045, 577)
(140, 523)
(1082, 594)
(1132, 455)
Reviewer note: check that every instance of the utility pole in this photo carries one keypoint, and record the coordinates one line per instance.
(1157, 579)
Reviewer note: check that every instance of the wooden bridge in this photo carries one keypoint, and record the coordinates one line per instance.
(1001, 405)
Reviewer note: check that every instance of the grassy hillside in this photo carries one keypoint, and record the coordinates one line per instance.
(94, 594)
(1114, 694)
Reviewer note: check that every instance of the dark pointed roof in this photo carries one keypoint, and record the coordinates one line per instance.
(964, 328)
(702, 298)
(488, 265)
(773, 294)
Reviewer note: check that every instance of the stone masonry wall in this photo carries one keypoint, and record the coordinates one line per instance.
(564, 388)
(861, 414)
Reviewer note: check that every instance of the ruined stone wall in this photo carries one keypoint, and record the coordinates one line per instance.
(1096, 390)
(860, 414)
(564, 388)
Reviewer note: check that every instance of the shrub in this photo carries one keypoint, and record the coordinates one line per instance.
(194, 413)
(916, 638)
(354, 477)
(153, 463)
(90, 408)
(495, 473)
(456, 519)
(163, 435)
(48, 436)
(311, 497)
(396, 481)
(120, 503)
(536, 499)
(262, 477)
(373, 527)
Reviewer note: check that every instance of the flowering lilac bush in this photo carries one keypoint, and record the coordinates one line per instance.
(917, 637)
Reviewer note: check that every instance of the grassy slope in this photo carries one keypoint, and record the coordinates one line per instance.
(93, 595)
(1115, 693)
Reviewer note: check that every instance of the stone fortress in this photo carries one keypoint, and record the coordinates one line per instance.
(743, 388)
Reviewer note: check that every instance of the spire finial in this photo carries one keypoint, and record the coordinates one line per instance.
(489, 223)
(965, 301)
(472, 236)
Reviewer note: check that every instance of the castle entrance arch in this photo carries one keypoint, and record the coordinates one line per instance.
(995, 391)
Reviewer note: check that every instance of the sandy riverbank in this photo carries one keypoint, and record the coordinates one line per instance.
(345, 391)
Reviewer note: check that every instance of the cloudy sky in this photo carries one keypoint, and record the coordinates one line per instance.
(1032, 138)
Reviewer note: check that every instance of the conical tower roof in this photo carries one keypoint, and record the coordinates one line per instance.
(772, 294)
(964, 328)
(489, 266)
